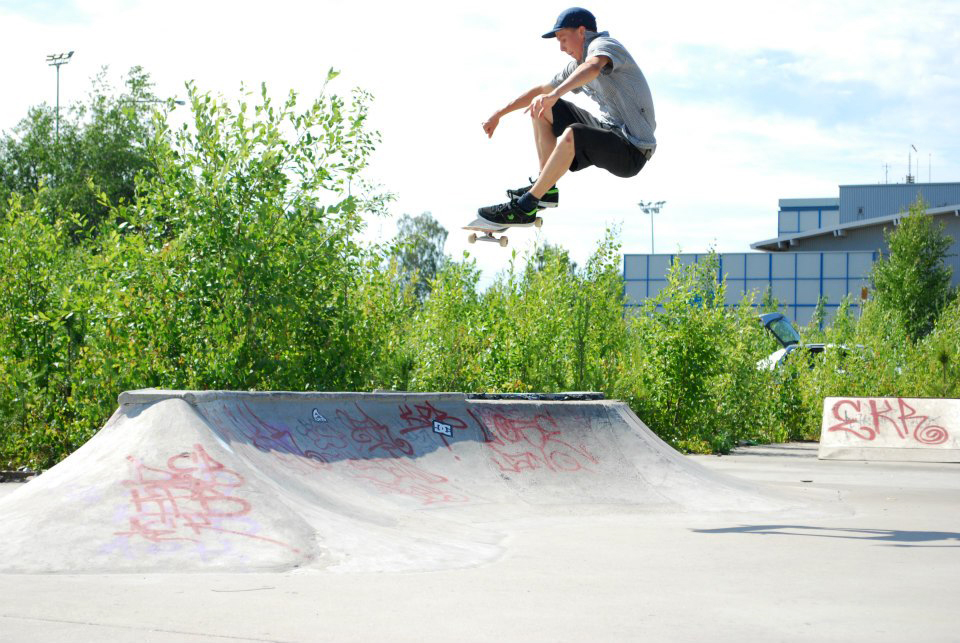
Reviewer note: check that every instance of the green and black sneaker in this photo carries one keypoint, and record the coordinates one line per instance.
(508, 214)
(549, 200)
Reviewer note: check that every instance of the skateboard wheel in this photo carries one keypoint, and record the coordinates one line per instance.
(472, 238)
(538, 222)
(503, 242)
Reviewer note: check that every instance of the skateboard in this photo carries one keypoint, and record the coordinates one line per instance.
(491, 230)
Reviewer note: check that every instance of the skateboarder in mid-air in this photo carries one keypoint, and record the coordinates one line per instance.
(570, 138)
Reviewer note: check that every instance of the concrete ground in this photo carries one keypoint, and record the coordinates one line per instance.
(888, 569)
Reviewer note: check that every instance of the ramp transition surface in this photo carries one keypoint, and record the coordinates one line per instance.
(225, 481)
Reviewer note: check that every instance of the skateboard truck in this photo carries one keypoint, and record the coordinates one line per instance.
(488, 236)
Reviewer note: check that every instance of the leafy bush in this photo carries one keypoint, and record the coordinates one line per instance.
(913, 280)
(418, 248)
(101, 148)
(695, 365)
(236, 266)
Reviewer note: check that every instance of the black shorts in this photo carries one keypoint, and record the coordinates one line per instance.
(596, 143)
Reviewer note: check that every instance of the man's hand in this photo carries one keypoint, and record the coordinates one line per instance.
(490, 125)
(540, 104)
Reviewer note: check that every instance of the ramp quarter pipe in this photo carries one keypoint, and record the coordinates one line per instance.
(227, 481)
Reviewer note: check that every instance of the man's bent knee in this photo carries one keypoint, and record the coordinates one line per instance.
(546, 118)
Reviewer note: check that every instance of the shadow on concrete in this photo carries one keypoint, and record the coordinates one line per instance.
(895, 537)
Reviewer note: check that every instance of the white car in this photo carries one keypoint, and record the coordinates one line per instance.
(789, 339)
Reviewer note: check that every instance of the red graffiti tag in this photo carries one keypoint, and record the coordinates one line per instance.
(401, 476)
(422, 416)
(353, 444)
(191, 496)
(903, 418)
(527, 444)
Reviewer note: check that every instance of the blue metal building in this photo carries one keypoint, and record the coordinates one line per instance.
(861, 202)
(824, 248)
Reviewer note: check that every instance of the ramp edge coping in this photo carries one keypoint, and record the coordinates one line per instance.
(148, 396)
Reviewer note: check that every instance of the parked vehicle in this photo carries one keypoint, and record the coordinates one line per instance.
(781, 328)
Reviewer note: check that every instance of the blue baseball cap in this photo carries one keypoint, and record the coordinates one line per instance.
(571, 19)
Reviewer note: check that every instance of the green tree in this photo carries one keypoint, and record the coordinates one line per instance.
(418, 247)
(768, 303)
(913, 280)
(942, 351)
(250, 223)
(235, 266)
(680, 351)
(42, 331)
(545, 253)
(102, 148)
(814, 330)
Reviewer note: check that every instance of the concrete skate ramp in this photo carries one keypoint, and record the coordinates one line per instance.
(222, 481)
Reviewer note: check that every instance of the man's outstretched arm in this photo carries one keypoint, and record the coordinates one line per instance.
(522, 101)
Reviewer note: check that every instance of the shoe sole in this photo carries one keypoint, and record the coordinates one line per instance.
(506, 225)
(482, 218)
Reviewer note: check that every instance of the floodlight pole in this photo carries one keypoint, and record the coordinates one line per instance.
(651, 208)
(55, 60)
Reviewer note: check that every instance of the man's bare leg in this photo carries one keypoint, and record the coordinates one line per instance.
(544, 137)
(556, 164)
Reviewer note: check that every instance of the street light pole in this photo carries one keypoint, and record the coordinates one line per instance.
(651, 208)
(55, 60)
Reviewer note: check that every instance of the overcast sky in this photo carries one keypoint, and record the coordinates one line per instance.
(755, 101)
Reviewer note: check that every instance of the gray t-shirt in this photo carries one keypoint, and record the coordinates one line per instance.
(621, 90)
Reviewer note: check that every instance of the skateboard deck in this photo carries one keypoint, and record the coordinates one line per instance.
(491, 230)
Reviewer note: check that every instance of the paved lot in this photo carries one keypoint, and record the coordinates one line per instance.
(883, 565)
